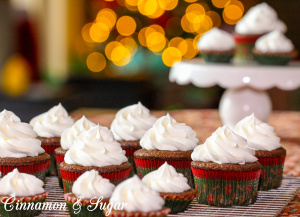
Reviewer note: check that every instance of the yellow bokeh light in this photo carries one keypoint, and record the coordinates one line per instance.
(189, 48)
(220, 3)
(196, 39)
(85, 32)
(110, 47)
(147, 7)
(233, 12)
(198, 8)
(186, 25)
(205, 25)
(96, 62)
(99, 32)
(168, 4)
(191, 1)
(159, 11)
(142, 37)
(154, 28)
(129, 43)
(171, 55)
(174, 42)
(182, 47)
(126, 25)
(132, 2)
(215, 18)
(155, 41)
(107, 16)
(120, 56)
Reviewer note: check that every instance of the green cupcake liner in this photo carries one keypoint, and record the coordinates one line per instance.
(177, 206)
(226, 192)
(52, 167)
(60, 182)
(266, 59)
(85, 211)
(271, 177)
(187, 172)
(21, 213)
(133, 169)
(243, 51)
(216, 58)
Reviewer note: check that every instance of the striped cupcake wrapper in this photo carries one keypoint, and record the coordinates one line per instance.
(160, 213)
(225, 188)
(145, 166)
(129, 155)
(271, 173)
(49, 149)
(59, 159)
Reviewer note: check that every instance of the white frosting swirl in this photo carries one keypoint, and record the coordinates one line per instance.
(167, 180)
(69, 135)
(137, 196)
(91, 185)
(259, 135)
(274, 42)
(216, 40)
(18, 184)
(224, 146)
(167, 134)
(96, 147)
(52, 123)
(260, 19)
(17, 139)
(132, 122)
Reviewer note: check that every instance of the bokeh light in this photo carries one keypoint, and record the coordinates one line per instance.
(171, 55)
(85, 32)
(220, 3)
(130, 44)
(120, 55)
(107, 17)
(110, 47)
(99, 32)
(215, 18)
(142, 36)
(155, 41)
(96, 62)
(233, 12)
(174, 42)
(126, 25)
(168, 4)
(191, 1)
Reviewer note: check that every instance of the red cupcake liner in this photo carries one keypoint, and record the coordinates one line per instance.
(145, 163)
(271, 160)
(113, 177)
(178, 197)
(59, 159)
(49, 149)
(29, 169)
(163, 212)
(226, 175)
(130, 151)
(246, 38)
(10, 199)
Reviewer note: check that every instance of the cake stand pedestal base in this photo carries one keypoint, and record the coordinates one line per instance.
(235, 104)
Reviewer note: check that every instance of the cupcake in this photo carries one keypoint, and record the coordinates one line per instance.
(95, 149)
(91, 188)
(216, 45)
(129, 126)
(225, 170)
(20, 148)
(259, 20)
(167, 141)
(20, 190)
(270, 153)
(172, 186)
(67, 140)
(274, 49)
(139, 198)
(49, 127)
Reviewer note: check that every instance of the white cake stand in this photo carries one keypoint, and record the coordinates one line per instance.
(246, 85)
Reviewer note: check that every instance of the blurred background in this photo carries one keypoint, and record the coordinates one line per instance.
(113, 53)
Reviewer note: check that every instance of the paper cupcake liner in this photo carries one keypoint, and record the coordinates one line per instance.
(226, 188)
(87, 209)
(69, 178)
(161, 213)
(178, 203)
(49, 149)
(271, 173)
(266, 59)
(145, 166)
(59, 159)
(38, 170)
(129, 155)
(243, 51)
(217, 58)
(22, 213)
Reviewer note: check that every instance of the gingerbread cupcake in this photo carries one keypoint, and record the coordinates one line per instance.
(225, 170)
(172, 186)
(95, 149)
(271, 155)
(20, 147)
(67, 140)
(139, 198)
(167, 141)
(90, 187)
(21, 188)
(129, 126)
(49, 127)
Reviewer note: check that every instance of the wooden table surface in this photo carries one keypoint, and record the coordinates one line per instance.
(205, 122)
